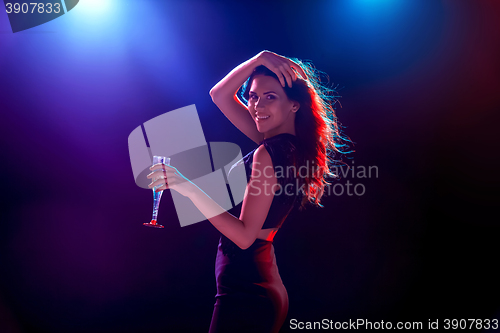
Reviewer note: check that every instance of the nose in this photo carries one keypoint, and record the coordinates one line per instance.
(259, 103)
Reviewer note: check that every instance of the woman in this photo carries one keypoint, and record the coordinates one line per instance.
(292, 120)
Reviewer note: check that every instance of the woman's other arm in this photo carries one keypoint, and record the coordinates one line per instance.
(224, 96)
(257, 201)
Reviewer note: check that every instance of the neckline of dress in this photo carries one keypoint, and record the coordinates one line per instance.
(278, 135)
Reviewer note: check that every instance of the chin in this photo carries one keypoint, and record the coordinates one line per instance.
(262, 129)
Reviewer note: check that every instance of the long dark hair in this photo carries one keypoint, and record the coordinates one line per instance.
(317, 129)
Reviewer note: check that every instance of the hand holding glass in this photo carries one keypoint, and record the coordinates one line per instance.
(157, 195)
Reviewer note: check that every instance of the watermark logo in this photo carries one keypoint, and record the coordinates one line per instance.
(294, 179)
(28, 14)
(178, 134)
(358, 173)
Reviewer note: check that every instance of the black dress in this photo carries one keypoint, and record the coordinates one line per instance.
(250, 294)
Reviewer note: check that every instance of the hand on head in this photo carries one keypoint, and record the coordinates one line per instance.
(284, 68)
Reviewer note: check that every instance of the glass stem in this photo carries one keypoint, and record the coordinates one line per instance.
(156, 203)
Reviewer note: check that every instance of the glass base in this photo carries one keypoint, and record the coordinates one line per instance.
(153, 224)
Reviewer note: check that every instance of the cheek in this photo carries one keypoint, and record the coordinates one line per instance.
(279, 109)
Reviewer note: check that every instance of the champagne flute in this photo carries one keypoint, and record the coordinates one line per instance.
(157, 195)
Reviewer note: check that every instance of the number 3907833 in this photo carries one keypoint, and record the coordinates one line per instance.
(33, 8)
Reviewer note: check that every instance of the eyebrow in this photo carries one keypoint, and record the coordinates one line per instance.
(268, 92)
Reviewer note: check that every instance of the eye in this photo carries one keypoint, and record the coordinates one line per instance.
(271, 97)
(253, 96)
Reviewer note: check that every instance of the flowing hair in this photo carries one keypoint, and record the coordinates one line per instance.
(317, 128)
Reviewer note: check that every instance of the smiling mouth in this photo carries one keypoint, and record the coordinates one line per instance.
(260, 118)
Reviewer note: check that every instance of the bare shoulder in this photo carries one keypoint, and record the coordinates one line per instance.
(261, 155)
(262, 168)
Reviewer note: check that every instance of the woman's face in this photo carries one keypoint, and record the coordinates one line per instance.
(270, 107)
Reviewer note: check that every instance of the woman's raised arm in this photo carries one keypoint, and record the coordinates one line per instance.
(224, 96)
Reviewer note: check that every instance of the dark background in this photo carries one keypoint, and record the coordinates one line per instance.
(420, 87)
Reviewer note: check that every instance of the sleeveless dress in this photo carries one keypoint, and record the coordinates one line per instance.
(250, 294)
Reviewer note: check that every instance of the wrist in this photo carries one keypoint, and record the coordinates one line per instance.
(193, 191)
(256, 60)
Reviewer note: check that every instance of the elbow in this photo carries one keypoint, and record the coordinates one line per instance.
(213, 93)
(245, 244)
(244, 247)
(218, 96)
